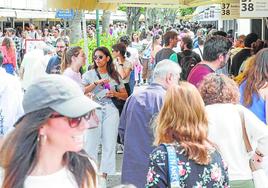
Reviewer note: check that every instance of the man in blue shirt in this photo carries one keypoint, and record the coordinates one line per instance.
(135, 128)
(54, 64)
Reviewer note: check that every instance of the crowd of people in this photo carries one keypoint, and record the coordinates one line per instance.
(200, 119)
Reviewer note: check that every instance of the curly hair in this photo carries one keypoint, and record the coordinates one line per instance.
(218, 88)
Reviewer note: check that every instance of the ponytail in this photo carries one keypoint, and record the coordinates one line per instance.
(64, 63)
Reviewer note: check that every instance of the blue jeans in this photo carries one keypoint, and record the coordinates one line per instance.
(132, 81)
(106, 135)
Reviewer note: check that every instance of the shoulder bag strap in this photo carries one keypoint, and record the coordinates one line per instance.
(98, 74)
(200, 51)
(245, 136)
(116, 88)
(173, 168)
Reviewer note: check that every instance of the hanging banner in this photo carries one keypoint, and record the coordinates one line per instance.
(253, 8)
(230, 10)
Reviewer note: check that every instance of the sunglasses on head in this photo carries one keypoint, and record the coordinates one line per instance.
(100, 57)
(74, 122)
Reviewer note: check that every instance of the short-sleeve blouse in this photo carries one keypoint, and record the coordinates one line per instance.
(91, 77)
(213, 175)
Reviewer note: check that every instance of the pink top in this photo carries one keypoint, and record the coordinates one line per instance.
(198, 73)
(76, 76)
(9, 56)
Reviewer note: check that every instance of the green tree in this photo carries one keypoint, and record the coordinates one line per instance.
(186, 11)
(163, 16)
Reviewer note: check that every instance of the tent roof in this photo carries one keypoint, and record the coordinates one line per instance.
(112, 4)
(80, 4)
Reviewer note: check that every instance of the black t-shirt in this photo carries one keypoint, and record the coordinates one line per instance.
(189, 53)
(238, 59)
(164, 53)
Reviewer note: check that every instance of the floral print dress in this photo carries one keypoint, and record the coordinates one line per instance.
(192, 175)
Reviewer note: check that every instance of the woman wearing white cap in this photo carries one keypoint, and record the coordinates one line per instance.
(45, 148)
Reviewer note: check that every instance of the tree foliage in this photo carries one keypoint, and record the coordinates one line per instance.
(163, 16)
(105, 40)
(186, 11)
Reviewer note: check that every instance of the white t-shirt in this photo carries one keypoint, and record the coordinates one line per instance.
(10, 101)
(134, 56)
(225, 130)
(62, 178)
(34, 66)
(126, 65)
(91, 77)
(197, 50)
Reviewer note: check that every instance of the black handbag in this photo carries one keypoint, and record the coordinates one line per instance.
(119, 103)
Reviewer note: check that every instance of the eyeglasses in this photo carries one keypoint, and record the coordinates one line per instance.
(100, 57)
(74, 122)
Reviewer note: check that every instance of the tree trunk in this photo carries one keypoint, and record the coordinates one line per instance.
(136, 25)
(106, 17)
(133, 16)
(129, 26)
(76, 29)
(161, 16)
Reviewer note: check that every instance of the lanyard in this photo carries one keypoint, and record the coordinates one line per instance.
(173, 167)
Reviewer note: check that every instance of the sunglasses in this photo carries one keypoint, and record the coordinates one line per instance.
(100, 57)
(74, 122)
(61, 47)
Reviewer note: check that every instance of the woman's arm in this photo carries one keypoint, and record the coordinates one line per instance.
(91, 86)
(121, 94)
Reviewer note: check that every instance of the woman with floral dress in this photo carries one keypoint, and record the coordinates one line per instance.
(182, 123)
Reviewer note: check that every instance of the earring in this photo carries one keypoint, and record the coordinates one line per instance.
(42, 138)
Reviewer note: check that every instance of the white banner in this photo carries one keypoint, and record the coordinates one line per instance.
(253, 8)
